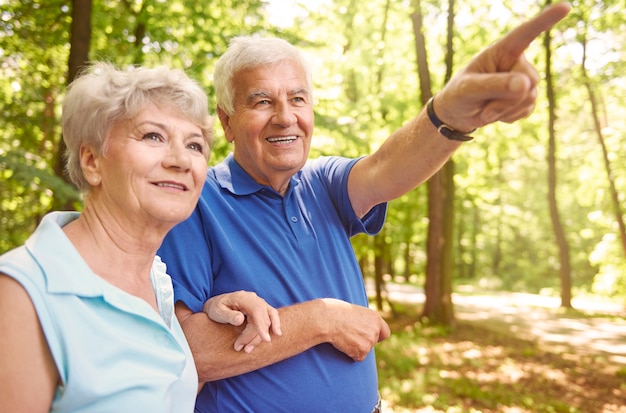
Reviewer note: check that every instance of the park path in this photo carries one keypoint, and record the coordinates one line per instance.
(601, 330)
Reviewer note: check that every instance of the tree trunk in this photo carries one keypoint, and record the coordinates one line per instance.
(406, 256)
(447, 259)
(423, 72)
(474, 241)
(434, 242)
(557, 226)
(446, 315)
(438, 291)
(619, 215)
(80, 37)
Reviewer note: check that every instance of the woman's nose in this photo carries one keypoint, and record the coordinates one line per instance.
(178, 156)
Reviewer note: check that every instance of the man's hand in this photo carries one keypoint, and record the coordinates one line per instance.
(353, 329)
(499, 84)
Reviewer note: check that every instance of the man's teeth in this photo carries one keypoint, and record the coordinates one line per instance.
(284, 139)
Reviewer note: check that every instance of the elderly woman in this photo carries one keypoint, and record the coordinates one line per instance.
(86, 307)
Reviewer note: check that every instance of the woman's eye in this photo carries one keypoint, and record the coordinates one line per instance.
(196, 147)
(152, 136)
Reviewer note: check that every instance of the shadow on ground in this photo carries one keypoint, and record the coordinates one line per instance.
(508, 353)
(594, 327)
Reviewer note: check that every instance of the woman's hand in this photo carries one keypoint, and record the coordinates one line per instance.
(245, 308)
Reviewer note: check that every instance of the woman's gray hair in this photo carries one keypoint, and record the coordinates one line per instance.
(248, 52)
(104, 95)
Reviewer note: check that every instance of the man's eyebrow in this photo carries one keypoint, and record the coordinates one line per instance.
(299, 91)
(260, 94)
(257, 94)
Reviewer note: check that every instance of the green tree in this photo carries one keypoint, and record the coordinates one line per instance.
(557, 225)
(366, 85)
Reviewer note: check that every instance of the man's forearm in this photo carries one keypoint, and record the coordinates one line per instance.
(212, 343)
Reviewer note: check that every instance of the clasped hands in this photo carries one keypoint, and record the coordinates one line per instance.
(350, 328)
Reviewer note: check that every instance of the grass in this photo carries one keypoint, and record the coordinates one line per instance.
(472, 368)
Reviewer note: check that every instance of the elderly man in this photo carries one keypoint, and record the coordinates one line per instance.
(272, 222)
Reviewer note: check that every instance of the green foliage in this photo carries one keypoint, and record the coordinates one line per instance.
(366, 86)
(610, 279)
(27, 187)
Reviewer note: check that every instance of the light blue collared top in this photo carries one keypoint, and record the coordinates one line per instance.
(114, 353)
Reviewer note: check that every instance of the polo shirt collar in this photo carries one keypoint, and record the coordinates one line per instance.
(67, 273)
(51, 248)
(232, 177)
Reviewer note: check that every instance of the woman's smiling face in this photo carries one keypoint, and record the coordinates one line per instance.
(152, 169)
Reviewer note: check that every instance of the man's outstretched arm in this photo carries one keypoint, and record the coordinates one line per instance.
(499, 84)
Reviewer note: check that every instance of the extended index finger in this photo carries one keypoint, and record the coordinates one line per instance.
(518, 39)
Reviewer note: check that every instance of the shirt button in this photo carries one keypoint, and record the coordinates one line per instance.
(294, 219)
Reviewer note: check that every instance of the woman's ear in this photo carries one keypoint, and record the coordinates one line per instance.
(90, 165)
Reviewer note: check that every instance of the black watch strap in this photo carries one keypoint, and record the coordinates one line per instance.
(444, 129)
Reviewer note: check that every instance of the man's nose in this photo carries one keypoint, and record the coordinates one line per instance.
(284, 115)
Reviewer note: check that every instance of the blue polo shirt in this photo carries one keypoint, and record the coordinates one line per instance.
(288, 249)
(113, 351)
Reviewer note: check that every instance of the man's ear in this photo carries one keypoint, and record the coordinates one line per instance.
(225, 121)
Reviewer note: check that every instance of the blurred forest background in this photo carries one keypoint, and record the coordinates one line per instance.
(536, 206)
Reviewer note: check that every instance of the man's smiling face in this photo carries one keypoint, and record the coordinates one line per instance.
(272, 124)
